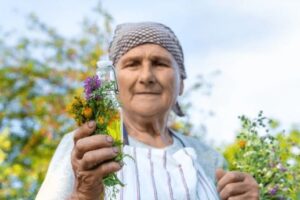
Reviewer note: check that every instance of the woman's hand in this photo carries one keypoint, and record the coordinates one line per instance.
(91, 160)
(236, 186)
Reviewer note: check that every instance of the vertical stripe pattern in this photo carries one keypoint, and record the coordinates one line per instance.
(184, 182)
(152, 175)
(168, 175)
(138, 195)
(122, 188)
(201, 179)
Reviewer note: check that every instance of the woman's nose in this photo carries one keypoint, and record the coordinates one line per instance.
(147, 75)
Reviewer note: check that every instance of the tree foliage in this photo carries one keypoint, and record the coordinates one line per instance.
(40, 74)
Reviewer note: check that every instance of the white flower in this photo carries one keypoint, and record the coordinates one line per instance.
(295, 150)
(291, 161)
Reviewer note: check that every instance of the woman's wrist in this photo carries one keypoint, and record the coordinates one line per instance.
(87, 194)
(79, 196)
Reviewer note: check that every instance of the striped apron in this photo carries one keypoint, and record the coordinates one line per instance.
(155, 174)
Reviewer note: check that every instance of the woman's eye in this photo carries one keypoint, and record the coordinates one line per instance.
(161, 64)
(132, 64)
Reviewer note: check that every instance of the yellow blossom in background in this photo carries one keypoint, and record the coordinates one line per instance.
(93, 62)
(5, 143)
(78, 91)
(242, 143)
(2, 156)
(17, 169)
(177, 126)
(229, 154)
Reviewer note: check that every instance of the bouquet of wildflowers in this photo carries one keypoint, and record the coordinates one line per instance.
(261, 156)
(99, 105)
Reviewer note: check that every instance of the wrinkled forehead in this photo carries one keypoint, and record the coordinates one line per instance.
(148, 51)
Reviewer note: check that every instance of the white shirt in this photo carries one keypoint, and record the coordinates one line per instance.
(153, 174)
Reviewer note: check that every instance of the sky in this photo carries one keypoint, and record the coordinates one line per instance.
(254, 45)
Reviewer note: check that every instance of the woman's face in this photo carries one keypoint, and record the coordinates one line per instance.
(149, 81)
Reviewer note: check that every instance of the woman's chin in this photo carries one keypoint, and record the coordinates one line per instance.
(150, 112)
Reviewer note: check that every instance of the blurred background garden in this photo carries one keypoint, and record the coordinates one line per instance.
(241, 58)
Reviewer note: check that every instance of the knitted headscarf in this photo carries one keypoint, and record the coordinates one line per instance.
(130, 35)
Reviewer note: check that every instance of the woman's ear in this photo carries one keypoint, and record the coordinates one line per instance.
(181, 87)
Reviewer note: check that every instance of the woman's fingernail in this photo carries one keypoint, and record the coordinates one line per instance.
(121, 163)
(91, 124)
(116, 149)
(109, 139)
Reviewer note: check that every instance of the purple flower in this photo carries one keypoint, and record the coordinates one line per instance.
(274, 190)
(281, 167)
(90, 85)
(271, 164)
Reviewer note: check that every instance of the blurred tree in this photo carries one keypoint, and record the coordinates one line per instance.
(39, 75)
(202, 86)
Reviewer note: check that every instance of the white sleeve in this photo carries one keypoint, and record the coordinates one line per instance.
(59, 180)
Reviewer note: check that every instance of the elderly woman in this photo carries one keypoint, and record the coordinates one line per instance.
(150, 71)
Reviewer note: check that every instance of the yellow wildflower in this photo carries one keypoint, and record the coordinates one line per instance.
(87, 112)
(114, 128)
(69, 107)
(100, 120)
(113, 118)
(242, 144)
